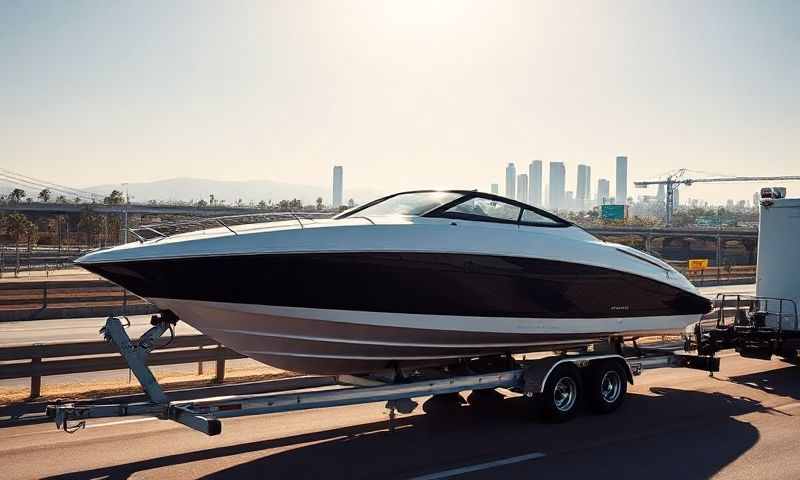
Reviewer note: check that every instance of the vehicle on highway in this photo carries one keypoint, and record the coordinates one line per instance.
(415, 279)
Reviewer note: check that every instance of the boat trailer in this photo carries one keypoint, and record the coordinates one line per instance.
(529, 377)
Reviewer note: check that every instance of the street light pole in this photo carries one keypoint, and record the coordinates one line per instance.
(125, 216)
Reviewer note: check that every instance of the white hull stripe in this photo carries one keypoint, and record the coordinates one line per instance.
(456, 323)
(387, 344)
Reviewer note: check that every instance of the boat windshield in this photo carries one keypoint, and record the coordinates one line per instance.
(412, 203)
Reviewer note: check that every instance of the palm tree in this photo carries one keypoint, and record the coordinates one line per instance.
(18, 226)
(319, 203)
(44, 195)
(115, 198)
(16, 195)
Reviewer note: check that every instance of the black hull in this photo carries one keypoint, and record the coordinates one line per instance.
(416, 283)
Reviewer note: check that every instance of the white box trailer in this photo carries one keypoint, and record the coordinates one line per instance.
(779, 258)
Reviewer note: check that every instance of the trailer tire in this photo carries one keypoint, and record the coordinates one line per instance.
(562, 394)
(607, 386)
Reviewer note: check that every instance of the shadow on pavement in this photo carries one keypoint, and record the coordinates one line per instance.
(783, 381)
(669, 433)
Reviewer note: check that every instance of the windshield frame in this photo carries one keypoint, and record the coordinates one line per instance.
(466, 195)
(557, 222)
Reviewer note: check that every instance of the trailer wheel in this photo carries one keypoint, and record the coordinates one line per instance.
(562, 392)
(608, 384)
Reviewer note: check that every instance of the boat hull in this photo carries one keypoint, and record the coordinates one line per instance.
(358, 312)
(324, 341)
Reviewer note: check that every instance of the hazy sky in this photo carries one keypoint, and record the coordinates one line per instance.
(403, 94)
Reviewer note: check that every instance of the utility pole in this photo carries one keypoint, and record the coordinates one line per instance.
(125, 216)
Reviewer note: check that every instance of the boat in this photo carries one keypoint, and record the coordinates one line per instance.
(429, 277)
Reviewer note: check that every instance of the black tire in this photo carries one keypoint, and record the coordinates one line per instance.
(562, 394)
(607, 386)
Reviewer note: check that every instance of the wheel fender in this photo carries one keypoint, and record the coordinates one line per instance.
(535, 376)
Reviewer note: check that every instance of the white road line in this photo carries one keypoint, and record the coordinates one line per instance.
(481, 466)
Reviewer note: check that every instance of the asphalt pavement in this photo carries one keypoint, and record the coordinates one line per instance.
(675, 424)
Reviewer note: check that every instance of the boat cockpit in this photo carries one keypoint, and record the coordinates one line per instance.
(460, 205)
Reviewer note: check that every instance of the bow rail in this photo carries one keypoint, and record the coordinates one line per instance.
(163, 230)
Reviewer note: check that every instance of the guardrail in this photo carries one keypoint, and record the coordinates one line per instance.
(48, 299)
(721, 275)
(96, 356)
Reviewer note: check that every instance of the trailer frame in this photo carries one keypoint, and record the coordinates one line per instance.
(529, 377)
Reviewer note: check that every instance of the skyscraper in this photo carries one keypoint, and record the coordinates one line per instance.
(535, 179)
(522, 187)
(558, 174)
(622, 181)
(583, 187)
(603, 193)
(676, 199)
(496, 189)
(338, 174)
(511, 180)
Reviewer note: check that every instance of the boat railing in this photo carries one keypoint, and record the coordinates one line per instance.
(163, 230)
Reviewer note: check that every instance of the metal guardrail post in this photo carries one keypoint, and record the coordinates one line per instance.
(200, 364)
(36, 377)
(220, 364)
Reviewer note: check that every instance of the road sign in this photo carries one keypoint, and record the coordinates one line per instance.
(613, 212)
(698, 264)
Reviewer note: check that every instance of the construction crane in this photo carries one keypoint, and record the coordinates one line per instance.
(675, 179)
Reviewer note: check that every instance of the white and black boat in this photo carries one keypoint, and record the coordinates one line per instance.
(423, 277)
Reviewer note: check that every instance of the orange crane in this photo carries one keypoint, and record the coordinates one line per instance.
(675, 179)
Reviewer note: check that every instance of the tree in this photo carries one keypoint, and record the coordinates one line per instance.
(16, 195)
(44, 195)
(76, 200)
(212, 200)
(18, 227)
(61, 199)
(91, 225)
(239, 202)
(114, 198)
(319, 203)
(262, 205)
(351, 203)
(201, 204)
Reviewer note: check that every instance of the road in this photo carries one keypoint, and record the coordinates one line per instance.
(675, 424)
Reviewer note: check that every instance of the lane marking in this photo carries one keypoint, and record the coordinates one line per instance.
(480, 466)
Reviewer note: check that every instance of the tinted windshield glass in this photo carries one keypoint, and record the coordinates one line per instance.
(479, 208)
(409, 204)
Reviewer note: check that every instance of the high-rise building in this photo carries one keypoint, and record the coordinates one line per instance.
(676, 198)
(338, 179)
(522, 187)
(569, 201)
(496, 189)
(583, 187)
(622, 181)
(511, 180)
(535, 180)
(603, 193)
(557, 184)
